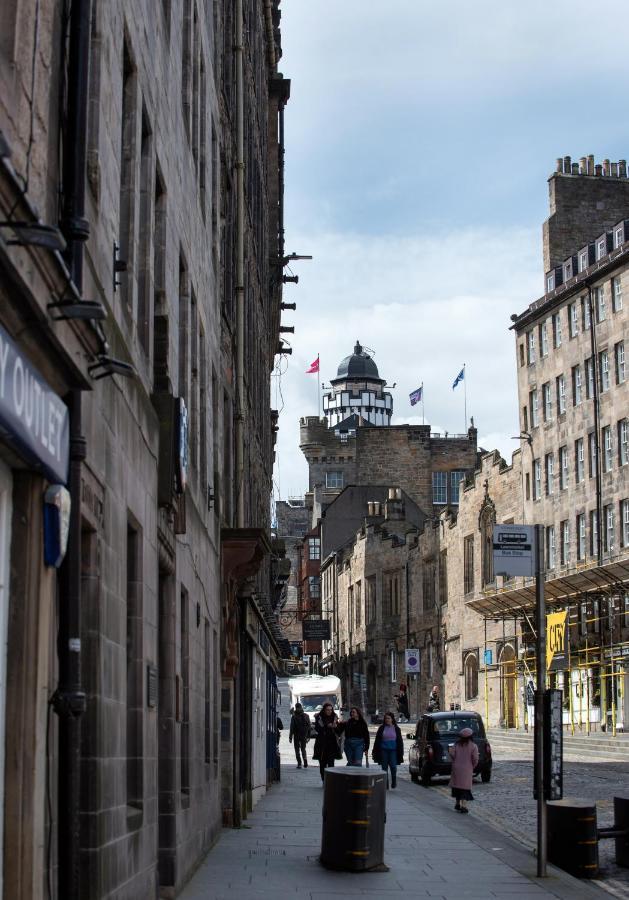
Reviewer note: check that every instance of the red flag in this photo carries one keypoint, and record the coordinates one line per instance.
(314, 367)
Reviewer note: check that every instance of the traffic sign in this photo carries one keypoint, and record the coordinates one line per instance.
(514, 550)
(412, 661)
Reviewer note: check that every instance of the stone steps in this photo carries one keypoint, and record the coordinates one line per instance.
(593, 746)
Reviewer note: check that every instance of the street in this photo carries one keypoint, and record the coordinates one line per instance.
(507, 801)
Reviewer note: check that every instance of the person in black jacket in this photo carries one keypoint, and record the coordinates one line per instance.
(388, 747)
(356, 737)
(299, 734)
(326, 748)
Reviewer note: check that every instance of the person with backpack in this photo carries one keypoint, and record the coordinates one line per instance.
(299, 734)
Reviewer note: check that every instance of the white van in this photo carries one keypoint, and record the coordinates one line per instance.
(312, 691)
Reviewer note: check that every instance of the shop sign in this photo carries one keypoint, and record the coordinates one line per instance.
(557, 641)
(316, 629)
(33, 419)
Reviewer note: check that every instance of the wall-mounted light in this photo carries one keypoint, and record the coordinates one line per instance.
(287, 329)
(35, 234)
(292, 279)
(107, 365)
(76, 309)
(293, 256)
(283, 348)
(288, 306)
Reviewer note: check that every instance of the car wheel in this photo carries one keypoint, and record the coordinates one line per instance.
(425, 777)
(414, 777)
(485, 776)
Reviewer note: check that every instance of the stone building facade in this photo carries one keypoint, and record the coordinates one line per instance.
(164, 681)
(574, 403)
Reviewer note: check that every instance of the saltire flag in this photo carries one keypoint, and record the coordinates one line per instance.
(459, 377)
(416, 396)
(314, 367)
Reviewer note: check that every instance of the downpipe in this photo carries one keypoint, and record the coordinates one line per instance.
(69, 700)
(240, 268)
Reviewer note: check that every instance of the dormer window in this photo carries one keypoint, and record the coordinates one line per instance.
(583, 260)
(603, 246)
(619, 236)
(550, 282)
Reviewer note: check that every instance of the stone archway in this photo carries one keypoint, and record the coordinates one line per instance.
(508, 684)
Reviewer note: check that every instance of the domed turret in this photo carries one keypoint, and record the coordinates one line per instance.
(358, 365)
(357, 394)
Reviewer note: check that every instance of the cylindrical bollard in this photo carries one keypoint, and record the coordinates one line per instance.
(352, 836)
(572, 837)
(621, 823)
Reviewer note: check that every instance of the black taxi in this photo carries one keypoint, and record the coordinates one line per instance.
(435, 734)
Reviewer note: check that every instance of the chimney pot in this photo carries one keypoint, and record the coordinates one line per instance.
(370, 508)
(598, 170)
(583, 166)
(590, 164)
(614, 170)
(566, 165)
(559, 165)
(606, 167)
(391, 493)
(622, 168)
(575, 168)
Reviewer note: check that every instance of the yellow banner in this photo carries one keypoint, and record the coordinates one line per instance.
(557, 640)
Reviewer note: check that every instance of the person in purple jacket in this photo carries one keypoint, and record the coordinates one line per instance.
(388, 747)
(464, 760)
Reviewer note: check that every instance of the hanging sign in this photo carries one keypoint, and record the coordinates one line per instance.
(33, 419)
(557, 641)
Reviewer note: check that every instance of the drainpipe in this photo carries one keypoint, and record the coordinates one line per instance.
(597, 428)
(69, 699)
(240, 268)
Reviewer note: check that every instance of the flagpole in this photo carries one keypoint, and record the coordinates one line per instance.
(423, 410)
(465, 398)
(318, 390)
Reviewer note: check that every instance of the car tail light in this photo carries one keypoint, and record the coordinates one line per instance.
(487, 748)
(429, 753)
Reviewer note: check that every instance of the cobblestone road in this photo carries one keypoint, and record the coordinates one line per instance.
(507, 801)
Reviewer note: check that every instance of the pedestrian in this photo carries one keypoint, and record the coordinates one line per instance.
(402, 703)
(299, 734)
(464, 755)
(356, 737)
(326, 747)
(388, 747)
(279, 726)
(434, 701)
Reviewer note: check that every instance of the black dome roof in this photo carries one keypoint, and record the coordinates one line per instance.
(358, 365)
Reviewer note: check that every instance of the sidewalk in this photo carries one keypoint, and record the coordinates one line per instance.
(431, 852)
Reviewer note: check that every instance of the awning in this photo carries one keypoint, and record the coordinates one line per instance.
(610, 578)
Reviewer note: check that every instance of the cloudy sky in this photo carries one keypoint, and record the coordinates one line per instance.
(419, 140)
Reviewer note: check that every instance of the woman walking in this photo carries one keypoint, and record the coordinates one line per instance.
(326, 747)
(388, 747)
(356, 737)
(464, 760)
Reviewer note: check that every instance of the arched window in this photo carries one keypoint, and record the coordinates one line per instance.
(487, 520)
(471, 676)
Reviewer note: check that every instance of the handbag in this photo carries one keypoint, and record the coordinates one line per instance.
(338, 753)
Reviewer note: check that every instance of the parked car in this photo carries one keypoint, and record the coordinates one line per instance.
(435, 734)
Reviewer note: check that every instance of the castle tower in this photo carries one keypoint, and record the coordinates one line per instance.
(357, 393)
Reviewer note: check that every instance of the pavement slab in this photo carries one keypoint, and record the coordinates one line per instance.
(430, 850)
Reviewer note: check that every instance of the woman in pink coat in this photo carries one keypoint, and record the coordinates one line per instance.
(464, 760)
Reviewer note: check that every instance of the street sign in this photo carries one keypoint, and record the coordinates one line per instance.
(514, 550)
(316, 629)
(413, 661)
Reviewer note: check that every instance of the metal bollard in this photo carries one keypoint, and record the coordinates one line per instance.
(573, 837)
(619, 830)
(352, 837)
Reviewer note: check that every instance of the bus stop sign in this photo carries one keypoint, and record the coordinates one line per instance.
(514, 550)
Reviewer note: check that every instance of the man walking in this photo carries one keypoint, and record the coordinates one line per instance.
(434, 701)
(299, 734)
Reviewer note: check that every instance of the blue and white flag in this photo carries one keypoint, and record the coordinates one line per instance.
(459, 377)
(416, 396)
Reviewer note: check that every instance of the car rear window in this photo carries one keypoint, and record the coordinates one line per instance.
(451, 727)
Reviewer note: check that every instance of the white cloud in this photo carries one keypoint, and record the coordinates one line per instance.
(425, 306)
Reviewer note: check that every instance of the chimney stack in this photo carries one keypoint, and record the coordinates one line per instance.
(394, 506)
